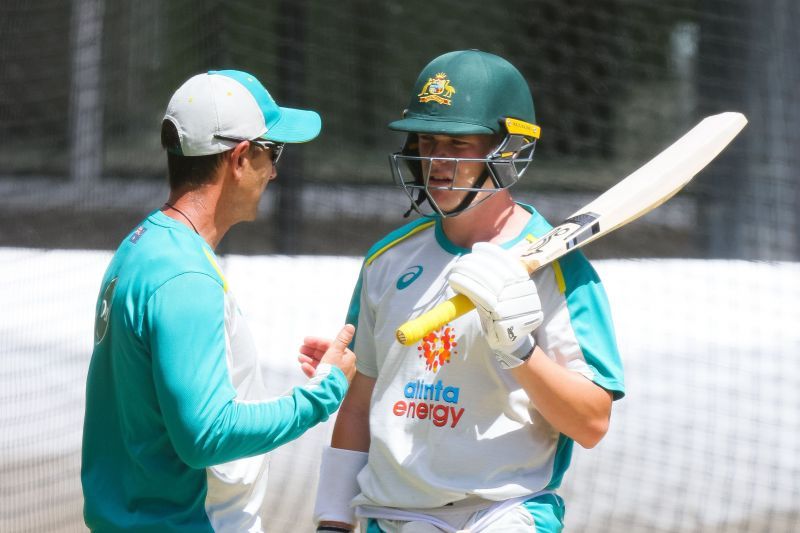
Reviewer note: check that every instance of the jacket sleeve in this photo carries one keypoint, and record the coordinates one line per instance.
(184, 327)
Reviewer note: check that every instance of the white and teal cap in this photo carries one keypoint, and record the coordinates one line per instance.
(233, 104)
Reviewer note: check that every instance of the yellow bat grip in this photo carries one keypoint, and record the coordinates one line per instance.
(413, 330)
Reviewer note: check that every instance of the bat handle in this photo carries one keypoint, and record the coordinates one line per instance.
(413, 330)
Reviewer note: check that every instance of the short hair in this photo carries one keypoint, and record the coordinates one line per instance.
(187, 171)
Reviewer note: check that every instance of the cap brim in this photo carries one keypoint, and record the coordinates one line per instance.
(295, 126)
(444, 127)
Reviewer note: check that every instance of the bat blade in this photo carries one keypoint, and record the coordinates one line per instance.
(639, 193)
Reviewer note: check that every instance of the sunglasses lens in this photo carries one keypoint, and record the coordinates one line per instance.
(277, 150)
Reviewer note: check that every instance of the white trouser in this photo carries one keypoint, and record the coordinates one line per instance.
(466, 520)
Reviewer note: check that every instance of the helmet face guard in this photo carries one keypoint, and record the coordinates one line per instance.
(466, 92)
(503, 167)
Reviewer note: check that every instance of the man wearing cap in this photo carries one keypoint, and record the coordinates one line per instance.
(178, 420)
(471, 428)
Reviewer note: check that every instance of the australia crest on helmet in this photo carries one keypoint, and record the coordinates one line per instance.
(437, 89)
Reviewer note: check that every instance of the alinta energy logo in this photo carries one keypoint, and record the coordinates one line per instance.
(437, 347)
(433, 402)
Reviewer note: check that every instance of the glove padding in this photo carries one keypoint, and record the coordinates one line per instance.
(505, 297)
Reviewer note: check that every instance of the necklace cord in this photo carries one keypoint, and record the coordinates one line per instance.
(189, 220)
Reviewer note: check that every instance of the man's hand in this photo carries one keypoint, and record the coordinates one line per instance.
(505, 297)
(316, 350)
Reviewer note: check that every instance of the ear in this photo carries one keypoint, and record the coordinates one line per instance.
(237, 156)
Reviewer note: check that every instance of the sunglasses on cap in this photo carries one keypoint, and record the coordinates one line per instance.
(275, 149)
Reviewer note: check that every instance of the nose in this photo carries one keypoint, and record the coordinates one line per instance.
(439, 166)
(438, 151)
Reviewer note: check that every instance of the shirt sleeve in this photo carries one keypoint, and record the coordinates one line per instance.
(360, 313)
(184, 324)
(578, 331)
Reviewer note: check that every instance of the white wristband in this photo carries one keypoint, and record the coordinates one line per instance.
(518, 354)
(338, 485)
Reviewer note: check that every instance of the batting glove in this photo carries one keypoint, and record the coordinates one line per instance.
(505, 297)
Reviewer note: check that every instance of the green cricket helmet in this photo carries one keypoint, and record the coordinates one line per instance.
(467, 92)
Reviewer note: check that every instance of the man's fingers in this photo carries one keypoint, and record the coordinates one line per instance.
(315, 347)
(344, 337)
(308, 369)
(312, 352)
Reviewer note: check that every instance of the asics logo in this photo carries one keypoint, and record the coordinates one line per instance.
(408, 278)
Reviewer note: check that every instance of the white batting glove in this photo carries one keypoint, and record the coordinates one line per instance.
(505, 297)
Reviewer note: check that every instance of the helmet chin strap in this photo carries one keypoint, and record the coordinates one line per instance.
(422, 196)
(467, 200)
(415, 204)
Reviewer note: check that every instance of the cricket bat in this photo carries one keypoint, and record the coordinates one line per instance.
(639, 193)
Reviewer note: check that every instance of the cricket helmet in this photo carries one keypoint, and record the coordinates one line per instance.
(467, 92)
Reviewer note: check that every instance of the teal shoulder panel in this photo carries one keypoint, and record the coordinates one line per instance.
(537, 225)
(354, 310)
(590, 315)
(380, 247)
(396, 237)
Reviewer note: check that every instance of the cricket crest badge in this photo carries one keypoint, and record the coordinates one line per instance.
(437, 89)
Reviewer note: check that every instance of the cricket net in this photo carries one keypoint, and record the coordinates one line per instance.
(705, 440)
(702, 289)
